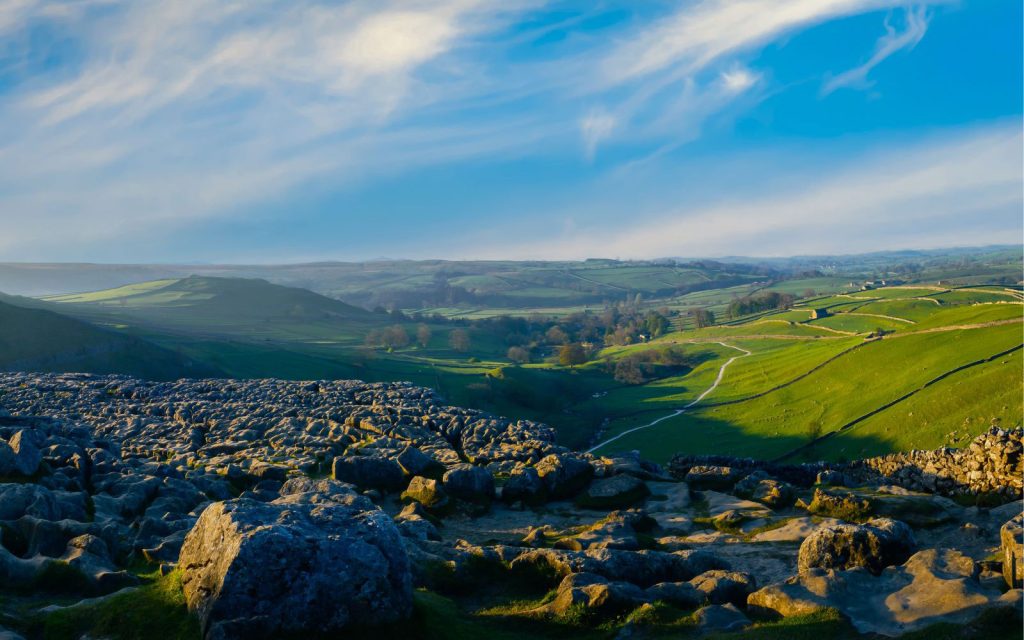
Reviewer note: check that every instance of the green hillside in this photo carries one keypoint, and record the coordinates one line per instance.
(213, 302)
(944, 371)
(40, 340)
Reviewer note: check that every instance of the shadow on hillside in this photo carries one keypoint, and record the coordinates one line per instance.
(696, 434)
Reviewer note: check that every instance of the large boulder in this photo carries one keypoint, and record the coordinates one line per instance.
(1011, 536)
(878, 544)
(564, 475)
(317, 560)
(18, 499)
(369, 472)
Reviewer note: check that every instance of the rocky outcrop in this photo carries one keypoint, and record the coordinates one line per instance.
(935, 585)
(318, 559)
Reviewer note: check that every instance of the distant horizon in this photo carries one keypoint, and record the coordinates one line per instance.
(807, 256)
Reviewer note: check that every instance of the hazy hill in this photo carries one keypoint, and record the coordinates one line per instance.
(41, 340)
(210, 303)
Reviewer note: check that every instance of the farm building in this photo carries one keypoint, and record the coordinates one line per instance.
(818, 313)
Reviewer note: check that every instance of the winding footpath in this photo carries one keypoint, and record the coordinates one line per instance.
(678, 412)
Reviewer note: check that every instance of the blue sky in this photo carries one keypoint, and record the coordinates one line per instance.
(262, 131)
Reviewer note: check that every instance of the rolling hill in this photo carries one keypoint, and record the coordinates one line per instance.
(40, 340)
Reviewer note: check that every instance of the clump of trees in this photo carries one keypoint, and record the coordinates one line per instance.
(570, 355)
(761, 302)
(702, 318)
(459, 340)
(393, 337)
(644, 366)
(518, 355)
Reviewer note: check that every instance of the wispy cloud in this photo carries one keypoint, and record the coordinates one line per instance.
(944, 191)
(595, 127)
(916, 20)
(694, 36)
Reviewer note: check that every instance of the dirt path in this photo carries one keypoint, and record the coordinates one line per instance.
(677, 412)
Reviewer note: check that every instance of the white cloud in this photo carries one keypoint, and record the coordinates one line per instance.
(893, 41)
(739, 79)
(595, 127)
(964, 188)
(694, 36)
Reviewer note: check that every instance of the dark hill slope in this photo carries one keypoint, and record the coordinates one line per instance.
(41, 340)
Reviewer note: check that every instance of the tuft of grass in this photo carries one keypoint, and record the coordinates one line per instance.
(156, 610)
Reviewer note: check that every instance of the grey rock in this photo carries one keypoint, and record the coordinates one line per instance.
(616, 492)
(721, 617)
(316, 562)
(469, 483)
(369, 472)
(564, 475)
(875, 545)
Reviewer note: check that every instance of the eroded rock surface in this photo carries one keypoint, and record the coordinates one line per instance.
(319, 558)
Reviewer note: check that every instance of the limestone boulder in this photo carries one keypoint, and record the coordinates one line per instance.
(875, 545)
(319, 559)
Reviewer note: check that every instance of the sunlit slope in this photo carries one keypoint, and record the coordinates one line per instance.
(244, 307)
(943, 372)
(40, 340)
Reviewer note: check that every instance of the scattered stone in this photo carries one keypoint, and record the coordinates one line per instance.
(934, 585)
(427, 492)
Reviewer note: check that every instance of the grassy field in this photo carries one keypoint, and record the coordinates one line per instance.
(859, 378)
